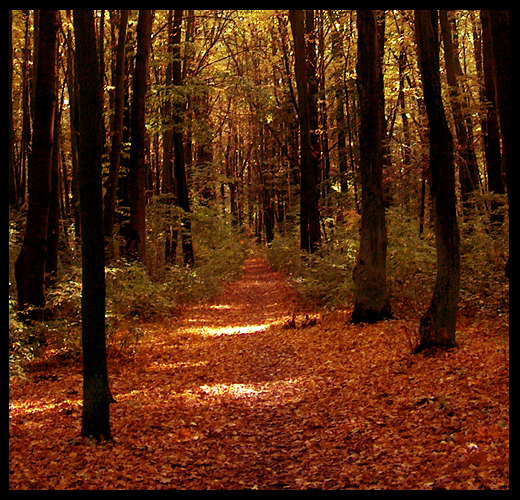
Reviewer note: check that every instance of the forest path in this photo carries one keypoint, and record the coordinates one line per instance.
(232, 396)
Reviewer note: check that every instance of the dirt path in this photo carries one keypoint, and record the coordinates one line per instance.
(232, 395)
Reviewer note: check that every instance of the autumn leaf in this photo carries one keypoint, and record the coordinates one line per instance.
(227, 397)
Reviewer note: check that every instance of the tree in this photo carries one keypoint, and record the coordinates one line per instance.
(179, 158)
(30, 265)
(468, 168)
(96, 392)
(371, 296)
(117, 131)
(437, 325)
(137, 229)
(499, 23)
(307, 111)
(13, 195)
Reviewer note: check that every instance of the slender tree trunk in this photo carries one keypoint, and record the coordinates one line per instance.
(371, 303)
(490, 127)
(117, 133)
(468, 168)
(137, 231)
(96, 392)
(13, 195)
(178, 146)
(437, 325)
(30, 265)
(309, 196)
(499, 22)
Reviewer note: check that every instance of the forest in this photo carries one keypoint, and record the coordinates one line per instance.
(259, 249)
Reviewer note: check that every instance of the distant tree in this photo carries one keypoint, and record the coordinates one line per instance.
(437, 325)
(137, 230)
(117, 131)
(371, 295)
(499, 22)
(178, 144)
(307, 113)
(96, 392)
(30, 265)
(468, 168)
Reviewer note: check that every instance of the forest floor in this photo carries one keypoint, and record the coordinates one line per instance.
(257, 390)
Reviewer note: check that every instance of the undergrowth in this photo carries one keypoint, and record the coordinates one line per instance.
(326, 276)
(134, 292)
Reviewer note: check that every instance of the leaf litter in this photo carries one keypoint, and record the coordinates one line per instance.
(256, 390)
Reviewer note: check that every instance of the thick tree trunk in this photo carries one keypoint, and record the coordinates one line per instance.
(371, 303)
(309, 196)
(30, 265)
(136, 243)
(437, 325)
(96, 392)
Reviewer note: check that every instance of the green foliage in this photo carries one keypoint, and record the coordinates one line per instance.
(325, 276)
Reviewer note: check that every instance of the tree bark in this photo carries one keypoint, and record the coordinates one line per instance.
(136, 243)
(30, 265)
(371, 296)
(437, 325)
(309, 196)
(96, 392)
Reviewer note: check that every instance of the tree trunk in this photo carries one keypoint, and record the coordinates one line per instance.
(117, 133)
(178, 147)
(371, 303)
(96, 392)
(499, 23)
(30, 265)
(309, 211)
(437, 325)
(136, 243)
(468, 168)
(13, 195)
(490, 128)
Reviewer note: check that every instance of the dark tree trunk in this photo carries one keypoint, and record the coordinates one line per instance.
(96, 392)
(499, 22)
(490, 128)
(178, 146)
(371, 303)
(136, 242)
(30, 265)
(309, 196)
(437, 325)
(53, 233)
(117, 133)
